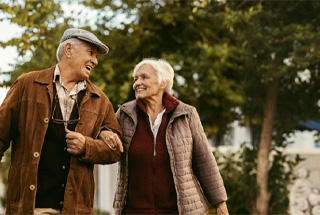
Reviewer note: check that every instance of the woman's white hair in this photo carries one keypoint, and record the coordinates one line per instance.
(164, 71)
(60, 48)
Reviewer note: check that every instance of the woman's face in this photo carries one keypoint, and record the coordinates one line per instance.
(146, 83)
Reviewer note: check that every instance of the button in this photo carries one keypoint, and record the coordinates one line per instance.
(46, 120)
(32, 187)
(63, 167)
(62, 185)
(61, 202)
(36, 154)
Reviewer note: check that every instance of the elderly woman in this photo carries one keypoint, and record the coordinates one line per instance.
(167, 166)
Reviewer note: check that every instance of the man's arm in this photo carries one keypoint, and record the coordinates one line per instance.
(94, 150)
(101, 152)
(9, 114)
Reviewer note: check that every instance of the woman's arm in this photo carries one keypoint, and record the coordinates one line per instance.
(204, 164)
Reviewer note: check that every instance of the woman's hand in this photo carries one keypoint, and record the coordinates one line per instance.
(222, 209)
(111, 139)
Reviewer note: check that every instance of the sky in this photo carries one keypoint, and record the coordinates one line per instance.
(3, 92)
(8, 55)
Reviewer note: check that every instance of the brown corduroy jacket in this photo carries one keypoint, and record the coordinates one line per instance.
(197, 180)
(24, 118)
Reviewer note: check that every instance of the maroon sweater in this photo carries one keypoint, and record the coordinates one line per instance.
(151, 187)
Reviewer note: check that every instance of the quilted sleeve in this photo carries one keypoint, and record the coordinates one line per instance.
(204, 164)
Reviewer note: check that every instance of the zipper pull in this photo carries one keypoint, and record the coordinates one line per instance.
(125, 198)
(154, 148)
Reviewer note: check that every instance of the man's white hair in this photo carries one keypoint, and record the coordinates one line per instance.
(60, 48)
(164, 71)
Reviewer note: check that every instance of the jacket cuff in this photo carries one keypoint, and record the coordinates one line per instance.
(103, 128)
(86, 156)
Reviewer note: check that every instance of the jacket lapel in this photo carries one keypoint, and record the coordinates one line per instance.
(130, 108)
(181, 110)
(45, 77)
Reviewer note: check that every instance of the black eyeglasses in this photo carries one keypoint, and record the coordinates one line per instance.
(61, 121)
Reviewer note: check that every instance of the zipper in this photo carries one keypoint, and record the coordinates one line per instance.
(175, 168)
(154, 183)
(154, 146)
(154, 167)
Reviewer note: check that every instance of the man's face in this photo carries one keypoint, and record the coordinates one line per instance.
(83, 60)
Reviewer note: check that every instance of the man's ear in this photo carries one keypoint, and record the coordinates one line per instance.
(67, 50)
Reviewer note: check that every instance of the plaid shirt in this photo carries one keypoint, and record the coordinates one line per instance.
(66, 98)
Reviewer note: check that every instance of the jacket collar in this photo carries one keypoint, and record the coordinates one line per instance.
(130, 108)
(182, 109)
(169, 102)
(45, 77)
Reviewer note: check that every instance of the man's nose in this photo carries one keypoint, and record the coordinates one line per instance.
(94, 61)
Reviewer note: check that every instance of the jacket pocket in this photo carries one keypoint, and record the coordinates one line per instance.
(87, 190)
(200, 192)
(84, 210)
(87, 123)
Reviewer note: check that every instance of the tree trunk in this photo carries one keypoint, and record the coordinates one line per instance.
(264, 148)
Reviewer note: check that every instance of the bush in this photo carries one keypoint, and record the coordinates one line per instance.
(238, 171)
(98, 212)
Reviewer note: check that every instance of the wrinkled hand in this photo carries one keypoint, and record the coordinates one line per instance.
(111, 139)
(222, 209)
(75, 142)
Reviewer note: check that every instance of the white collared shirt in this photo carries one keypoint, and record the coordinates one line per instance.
(155, 128)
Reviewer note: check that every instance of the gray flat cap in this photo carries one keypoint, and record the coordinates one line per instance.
(85, 36)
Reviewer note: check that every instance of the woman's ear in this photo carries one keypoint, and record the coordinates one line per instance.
(163, 85)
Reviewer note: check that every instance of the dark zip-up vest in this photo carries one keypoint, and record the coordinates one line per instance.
(151, 188)
(54, 161)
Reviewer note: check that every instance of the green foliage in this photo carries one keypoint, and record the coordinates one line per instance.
(279, 44)
(238, 170)
(36, 17)
(194, 43)
(224, 54)
(41, 34)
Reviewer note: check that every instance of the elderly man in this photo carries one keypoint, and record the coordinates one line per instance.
(52, 117)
